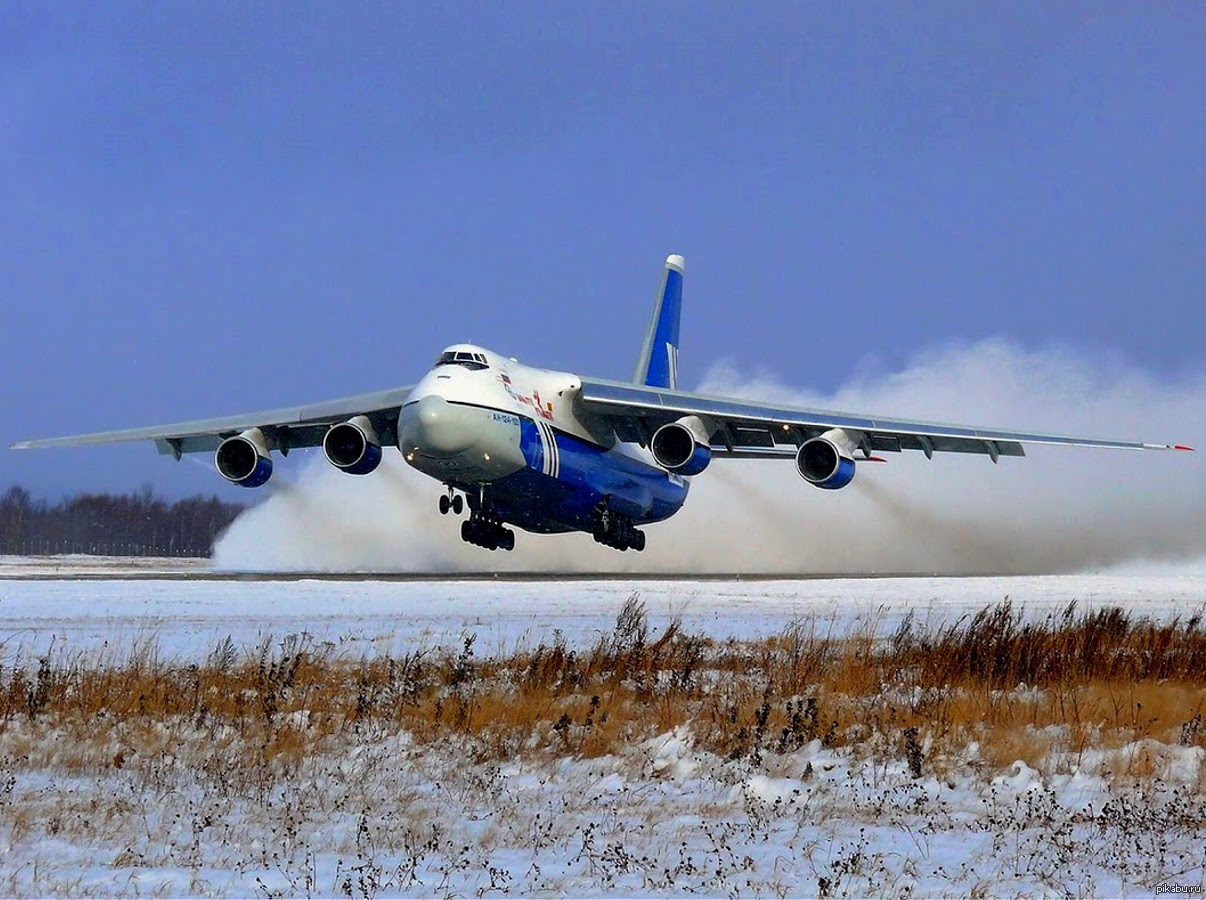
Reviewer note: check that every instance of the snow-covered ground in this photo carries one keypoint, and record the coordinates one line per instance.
(80, 564)
(382, 816)
(375, 813)
(188, 616)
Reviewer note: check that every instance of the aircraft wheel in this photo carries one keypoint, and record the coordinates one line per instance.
(638, 541)
(444, 505)
(507, 541)
(458, 504)
(466, 532)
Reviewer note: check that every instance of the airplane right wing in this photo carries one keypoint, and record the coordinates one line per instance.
(284, 428)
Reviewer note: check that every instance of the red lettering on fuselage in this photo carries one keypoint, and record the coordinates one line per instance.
(533, 401)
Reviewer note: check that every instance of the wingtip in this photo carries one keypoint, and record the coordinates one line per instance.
(1183, 447)
(676, 261)
(20, 445)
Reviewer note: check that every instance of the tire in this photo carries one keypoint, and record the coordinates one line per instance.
(638, 541)
(466, 532)
(507, 541)
(458, 504)
(444, 505)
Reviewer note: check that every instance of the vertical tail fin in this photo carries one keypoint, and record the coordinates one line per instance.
(658, 362)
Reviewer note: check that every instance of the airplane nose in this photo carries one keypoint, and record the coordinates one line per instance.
(432, 427)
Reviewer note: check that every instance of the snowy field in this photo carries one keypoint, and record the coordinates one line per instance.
(375, 813)
(187, 616)
(81, 564)
(385, 818)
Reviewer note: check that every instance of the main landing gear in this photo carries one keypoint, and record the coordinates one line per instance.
(483, 527)
(617, 531)
(487, 533)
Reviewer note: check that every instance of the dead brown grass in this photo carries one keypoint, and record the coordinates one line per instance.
(1021, 689)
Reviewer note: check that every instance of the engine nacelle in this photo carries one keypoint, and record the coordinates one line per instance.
(827, 461)
(244, 460)
(353, 446)
(682, 446)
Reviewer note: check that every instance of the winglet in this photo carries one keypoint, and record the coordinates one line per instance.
(1183, 447)
(657, 365)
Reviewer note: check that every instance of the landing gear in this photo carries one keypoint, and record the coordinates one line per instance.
(483, 527)
(487, 533)
(617, 531)
(452, 502)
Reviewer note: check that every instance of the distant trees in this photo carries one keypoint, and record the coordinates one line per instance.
(138, 524)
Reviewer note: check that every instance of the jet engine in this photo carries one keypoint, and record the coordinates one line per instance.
(353, 446)
(682, 446)
(244, 460)
(827, 461)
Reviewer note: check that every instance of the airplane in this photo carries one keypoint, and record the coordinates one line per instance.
(550, 452)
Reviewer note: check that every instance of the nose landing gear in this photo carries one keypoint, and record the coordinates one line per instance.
(451, 502)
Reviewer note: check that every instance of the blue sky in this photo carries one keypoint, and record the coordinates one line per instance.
(210, 208)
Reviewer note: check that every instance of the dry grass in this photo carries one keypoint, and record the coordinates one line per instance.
(1075, 680)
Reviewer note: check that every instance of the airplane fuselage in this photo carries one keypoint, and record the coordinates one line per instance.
(508, 435)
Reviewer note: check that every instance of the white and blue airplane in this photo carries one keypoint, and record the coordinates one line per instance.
(551, 451)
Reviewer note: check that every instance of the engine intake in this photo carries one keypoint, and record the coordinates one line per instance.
(827, 461)
(353, 446)
(244, 460)
(682, 446)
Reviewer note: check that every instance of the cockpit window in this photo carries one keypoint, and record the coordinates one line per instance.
(473, 361)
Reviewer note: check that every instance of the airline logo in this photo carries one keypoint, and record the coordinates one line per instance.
(544, 410)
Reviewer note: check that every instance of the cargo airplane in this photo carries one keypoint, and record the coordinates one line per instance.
(549, 451)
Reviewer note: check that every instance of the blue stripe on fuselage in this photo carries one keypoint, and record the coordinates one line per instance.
(530, 444)
(587, 473)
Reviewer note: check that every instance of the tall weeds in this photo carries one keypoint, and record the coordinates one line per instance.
(918, 691)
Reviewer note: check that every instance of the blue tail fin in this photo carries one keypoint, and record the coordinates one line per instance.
(658, 363)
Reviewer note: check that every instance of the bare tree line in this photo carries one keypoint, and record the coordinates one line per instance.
(136, 524)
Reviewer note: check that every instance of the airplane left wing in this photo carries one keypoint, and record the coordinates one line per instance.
(286, 428)
(742, 428)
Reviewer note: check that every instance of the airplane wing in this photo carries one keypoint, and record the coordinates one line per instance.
(742, 428)
(288, 427)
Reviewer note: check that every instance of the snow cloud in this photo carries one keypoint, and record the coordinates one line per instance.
(1059, 510)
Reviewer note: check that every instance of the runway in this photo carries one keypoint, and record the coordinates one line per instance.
(124, 568)
(183, 609)
(516, 577)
